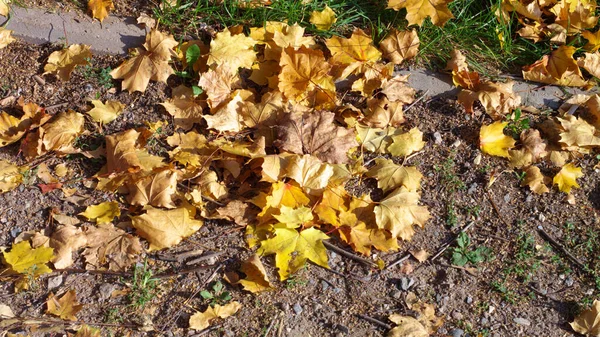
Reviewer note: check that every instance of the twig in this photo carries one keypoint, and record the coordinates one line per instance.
(118, 274)
(447, 244)
(60, 105)
(560, 247)
(496, 208)
(271, 325)
(375, 321)
(205, 257)
(471, 271)
(42, 320)
(397, 262)
(417, 100)
(177, 257)
(207, 330)
(347, 254)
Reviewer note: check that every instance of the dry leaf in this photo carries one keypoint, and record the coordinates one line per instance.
(105, 113)
(324, 19)
(102, 213)
(148, 63)
(63, 62)
(202, 320)
(383, 113)
(232, 51)
(407, 326)
(535, 180)
(23, 259)
(418, 10)
(165, 228)
(399, 46)
(108, 245)
(156, 189)
(578, 132)
(493, 141)
(407, 143)
(391, 176)
(399, 211)
(5, 38)
(65, 307)
(498, 99)
(100, 8)
(64, 240)
(10, 176)
(558, 68)
(566, 178)
(355, 54)
(256, 279)
(4, 10)
(588, 322)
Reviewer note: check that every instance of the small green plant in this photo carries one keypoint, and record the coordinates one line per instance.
(473, 211)
(293, 282)
(144, 287)
(448, 176)
(507, 295)
(463, 253)
(101, 75)
(517, 123)
(218, 295)
(520, 176)
(451, 217)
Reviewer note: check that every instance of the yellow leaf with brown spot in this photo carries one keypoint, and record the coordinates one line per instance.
(148, 63)
(100, 8)
(566, 178)
(493, 141)
(63, 62)
(65, 307)
(5, 35)
(308, 171)
(281, 194)
(256, 279)
(535, 180)
(102, 213)
(558, 68)
(202, 320)
(165, 228)
(105, 112)
(324, 19)
(418, 10)
(400, 46)
(520, 158)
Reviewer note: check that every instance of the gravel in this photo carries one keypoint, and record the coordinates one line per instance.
(297, 308)
(522, 321)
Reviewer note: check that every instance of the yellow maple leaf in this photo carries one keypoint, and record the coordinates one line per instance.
(406, 143)
(493, 141)
(305, 79)
(578, 132)
(4, 7)
(281, 194)
(156, 189)
(60, 132)
(148, 63)
(5, 37)
(227, 118)
(355, 54)
(391, 176)
(22, 259)
(232, 51)
(289, 36)
(418, 10)
(324, 19)
(100, 8)
(65, 307)
(529, 10)
(10, 176)
(399, 211)
(400, 46)
(63, 62)
(566, 178)
(558, 68)
(294, 217)
(165, 228)
(593, 40)
(105, 112)
(535, 180)
(308, 171)
(575, 16)
(184, 107)
(256, 279)
(88, 331)
(382, 113)
(363, 238)
(202, 320)
(588, 321)
(102, 213)
(591, 63)
(293, 248)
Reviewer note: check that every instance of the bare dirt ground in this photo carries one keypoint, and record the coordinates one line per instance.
(527, 288)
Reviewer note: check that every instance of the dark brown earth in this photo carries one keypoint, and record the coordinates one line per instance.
(529, 288)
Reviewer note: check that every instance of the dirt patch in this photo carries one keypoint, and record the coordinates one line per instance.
(526, 288)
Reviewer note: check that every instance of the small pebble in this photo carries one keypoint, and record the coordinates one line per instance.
(15, 231)
(54, 282)
(297, 308)
(406, 283)
(88, 87)
(456, 143)
(457, 332)
(437, 138)
(324, 285)
(569, 281)
(542, 217)
(469, 300)
(522, 321)
(484, 321)
(457, 315)
(337, 290)
(105, 290)
(473, 188)
(529, 198)
(507, 198)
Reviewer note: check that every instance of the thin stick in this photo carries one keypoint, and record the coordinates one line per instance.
(560, 247)
(375, 321)
(417, 100)
(397, 262)
(271, 325)
(205, 257)
(349, 255)
(447, 244)
(41, 320)
(207, 330)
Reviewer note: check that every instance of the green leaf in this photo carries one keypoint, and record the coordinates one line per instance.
(206, 295)
(192, 54)
(463, 240)
(196, 90)
(459, 259)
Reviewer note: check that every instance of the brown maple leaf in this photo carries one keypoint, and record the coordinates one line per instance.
(315, 134)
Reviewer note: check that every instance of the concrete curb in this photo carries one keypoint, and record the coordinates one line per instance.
(113, 36)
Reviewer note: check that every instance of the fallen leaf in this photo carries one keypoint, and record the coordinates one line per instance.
(593, 40)
(65, 219)
(558, 68)
(88, 331)
(102, 213)
(418, 10)
(400, 46)
(237, 211)
(65, 307)
(4, 10)
(22, 259)
(6, 311)
(232, 51)
(10, 176)
(202, 320)
(578, 132)
(407, 143)
(399, 211)
(421, 255)
(64, 240)
(63, 62)
(100, 8)
(294, 217)
(493, 141)
(355, 54)
(218, 84)
(383, 113)
(591, 63)
(165, 228)
(520, 158)
(109, 245)
(293, 248)
(156, 189)
(315, 134)
(498, 99)
(148, 63)
(5, 38)
(391, 176)
(256, 279)
(588, 322)
(61, 131)
(566, 178)
(146, 20)
(324, 19)
(105, 112)
(535, 180)
(407, 326)
(533, 143)
(227, 118)
(308, 171)
(281, 194)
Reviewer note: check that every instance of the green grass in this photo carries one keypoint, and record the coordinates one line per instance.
(474, 30)
(144, 287)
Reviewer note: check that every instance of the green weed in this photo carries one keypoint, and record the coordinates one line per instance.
(144, 287)
(517, 123)
(463, 253)
(217, 295)
(100, 75)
